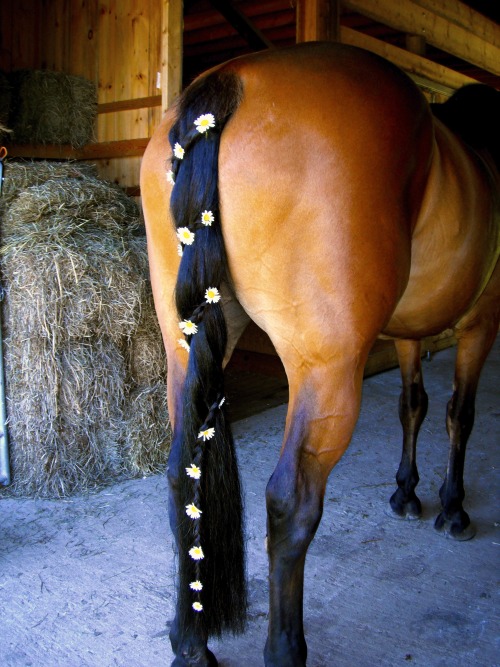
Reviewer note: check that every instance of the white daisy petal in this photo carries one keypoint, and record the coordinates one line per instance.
(184, 344)
(187, 327)
(185, 235)
(178, 151)
(196, 586)
(193, 512)
(193, 471)
(204, 122)
(196, 553)
(207, 218)
(206, 434)
(212, 295)
(170, 177)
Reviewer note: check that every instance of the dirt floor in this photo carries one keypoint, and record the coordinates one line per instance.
(88, 581)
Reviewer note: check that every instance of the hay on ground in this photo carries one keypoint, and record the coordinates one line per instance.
(84, 359)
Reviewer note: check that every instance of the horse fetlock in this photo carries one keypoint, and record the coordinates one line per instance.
(285, 651)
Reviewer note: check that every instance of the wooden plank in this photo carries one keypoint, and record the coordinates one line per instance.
(438, 29)
(104, 150)
(171, 51)
(462, 15)
(317, 20)
(83, 26)
(122, 171)
(127, 105)
(410, 62)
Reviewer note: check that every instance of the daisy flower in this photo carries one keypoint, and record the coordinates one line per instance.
(222, 402)
(184, 344)
(178, 151)
(212, 295)
(193, 512)
(180, 251)
(170, 177)
(204, 122)
(206, 434)
(197, 606)
(187, 327)
(193, 471)
(196, 586)
(196, 553)
(207, 217)
(185, 235)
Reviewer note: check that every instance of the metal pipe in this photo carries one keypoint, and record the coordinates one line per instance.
(4, 442)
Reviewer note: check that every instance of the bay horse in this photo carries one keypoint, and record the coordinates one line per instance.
(313, 191)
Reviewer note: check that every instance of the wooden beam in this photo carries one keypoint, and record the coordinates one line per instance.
(410, 62)
(242, 24)
(317, 20)
(127, 105)
(171, 51)
(104, 150)
(438, 29)
(459, 14)
(415, 44)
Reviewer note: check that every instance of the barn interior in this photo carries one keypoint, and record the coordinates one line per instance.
(86, 559)
(139, 56)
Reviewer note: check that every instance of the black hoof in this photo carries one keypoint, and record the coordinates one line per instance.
(195, 658)
(405, 508)
(458, 528)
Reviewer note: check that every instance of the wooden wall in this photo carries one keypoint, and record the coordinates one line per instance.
(133, 51)
(117, 44)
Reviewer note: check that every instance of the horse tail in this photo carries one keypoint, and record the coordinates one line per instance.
(212, 589)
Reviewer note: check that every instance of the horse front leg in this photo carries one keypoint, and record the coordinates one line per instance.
(319, 428)
(413, 404)
(474, 344)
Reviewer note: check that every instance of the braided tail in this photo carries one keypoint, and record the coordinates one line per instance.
(211, 552)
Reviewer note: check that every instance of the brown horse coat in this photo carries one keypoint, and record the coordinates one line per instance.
(347, 211)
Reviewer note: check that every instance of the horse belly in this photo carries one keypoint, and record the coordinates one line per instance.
(455, 244)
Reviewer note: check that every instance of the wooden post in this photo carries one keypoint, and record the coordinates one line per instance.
(171, 51)
(415, 44)
(317, 20)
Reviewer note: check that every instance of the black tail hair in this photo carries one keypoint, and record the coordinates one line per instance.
(217, 493)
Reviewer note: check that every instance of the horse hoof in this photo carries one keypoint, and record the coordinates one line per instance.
(454, 529)
(207, 660)
(410, 509)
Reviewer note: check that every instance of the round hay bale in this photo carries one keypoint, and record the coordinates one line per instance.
(52, 107)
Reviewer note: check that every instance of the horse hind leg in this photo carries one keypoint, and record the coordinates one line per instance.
(475, 339)
(322, 413)
(413, 404)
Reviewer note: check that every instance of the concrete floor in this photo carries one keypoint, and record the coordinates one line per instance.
(88, 581)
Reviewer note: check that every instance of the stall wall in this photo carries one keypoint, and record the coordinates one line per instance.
(115, 43)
